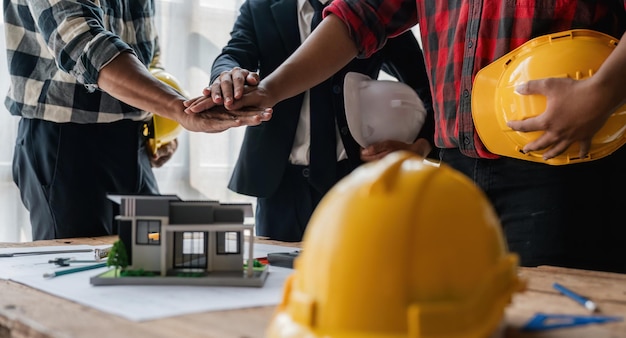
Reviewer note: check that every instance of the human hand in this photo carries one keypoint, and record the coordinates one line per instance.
(163, 154)
(575, 111)
(229, 85)
(379, 150)
(254, 99)
(217, 118)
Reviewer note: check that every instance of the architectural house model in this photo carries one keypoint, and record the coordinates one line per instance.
(184, 242)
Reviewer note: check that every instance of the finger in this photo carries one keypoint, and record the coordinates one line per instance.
(374, 157)
(218, 122)
(215, 91)
(255, 119)
(532, 87)
(544, 141)
(367, 156)
(527, 125)
(368, 151)
(250, 112)
(200, 105)
(208, 91)
(585, 147)
(223, 115)
(165, 151)
(239, 77)
(222, 125)
(226, 87)
(174, 145)
(556, 150)
(253, 79)
(190, 102)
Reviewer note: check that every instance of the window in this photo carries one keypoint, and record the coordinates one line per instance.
(148, 232)
(193, 243)
(190, 248)
(228, 242)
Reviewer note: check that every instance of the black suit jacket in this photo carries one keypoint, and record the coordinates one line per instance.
(264, 35)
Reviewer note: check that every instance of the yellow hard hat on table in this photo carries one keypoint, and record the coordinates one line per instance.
(162, 130)
(399, 248)
(576, 54)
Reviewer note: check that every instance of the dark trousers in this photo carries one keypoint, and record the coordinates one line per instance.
(284, 215)
(572, 215)
(65, 170)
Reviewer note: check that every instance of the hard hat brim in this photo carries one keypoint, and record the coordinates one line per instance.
(353, 107)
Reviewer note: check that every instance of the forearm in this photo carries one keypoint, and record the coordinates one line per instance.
(128, 80)
(328, 49)
(610, 80)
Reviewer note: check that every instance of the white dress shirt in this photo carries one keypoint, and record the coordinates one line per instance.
(300, 149)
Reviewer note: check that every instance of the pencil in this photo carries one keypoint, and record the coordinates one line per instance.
(73, 270)
(586, 302)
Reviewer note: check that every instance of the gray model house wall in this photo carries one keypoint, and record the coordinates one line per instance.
(204, 214)
(147, 255)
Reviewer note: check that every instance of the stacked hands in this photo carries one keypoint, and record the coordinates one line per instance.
(238, 98)
(225, 97)
(220, 105)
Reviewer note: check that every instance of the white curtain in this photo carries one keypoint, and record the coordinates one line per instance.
(192, 33)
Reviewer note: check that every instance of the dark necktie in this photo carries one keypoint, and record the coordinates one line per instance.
(323, 148)
(318, 7)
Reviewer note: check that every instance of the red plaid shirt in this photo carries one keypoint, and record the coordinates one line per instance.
(462, 36)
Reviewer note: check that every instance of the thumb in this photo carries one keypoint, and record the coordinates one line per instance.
(530, 87)
(252, 79)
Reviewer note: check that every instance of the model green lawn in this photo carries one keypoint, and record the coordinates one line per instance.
(258, 266)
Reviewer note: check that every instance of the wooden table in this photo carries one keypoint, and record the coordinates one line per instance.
(27, 312)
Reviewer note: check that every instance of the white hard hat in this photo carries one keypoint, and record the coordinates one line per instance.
(379, 110)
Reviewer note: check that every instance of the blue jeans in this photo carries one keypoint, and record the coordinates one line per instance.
(571, 215)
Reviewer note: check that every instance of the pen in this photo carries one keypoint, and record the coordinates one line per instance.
(11, 254)
(590, 305)
(72, 270)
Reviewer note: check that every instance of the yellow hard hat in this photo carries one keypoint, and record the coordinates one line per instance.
(163, 130)
(576, 54)
(399, 248)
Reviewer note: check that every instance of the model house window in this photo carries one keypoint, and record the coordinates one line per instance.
(193, 243)
(190, 249)
(148, 232)
(228, 242)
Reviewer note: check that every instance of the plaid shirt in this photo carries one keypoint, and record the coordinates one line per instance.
(462, 36)
(57, 48)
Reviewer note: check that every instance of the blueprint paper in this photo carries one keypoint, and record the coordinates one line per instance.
(141, 303)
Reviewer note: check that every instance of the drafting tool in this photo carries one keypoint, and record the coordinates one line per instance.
(48, 252)
(282, 259)
(543, 321)
(590, 305)
(62, 261)
(73, 270)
